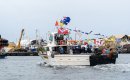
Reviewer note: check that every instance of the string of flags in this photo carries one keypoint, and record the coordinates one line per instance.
(80, 31)
(87, 33)
(65, 21)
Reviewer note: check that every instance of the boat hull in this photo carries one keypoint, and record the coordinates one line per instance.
(2, 56)
(102, 59)
(78, 60)
(83, 60)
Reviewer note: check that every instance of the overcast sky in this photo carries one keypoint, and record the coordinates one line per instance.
(101, 16)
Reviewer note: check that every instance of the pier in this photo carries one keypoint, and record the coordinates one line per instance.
(22, 54)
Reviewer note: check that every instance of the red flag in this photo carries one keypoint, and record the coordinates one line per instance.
(95, 41)
(56, 24)
(63, 31)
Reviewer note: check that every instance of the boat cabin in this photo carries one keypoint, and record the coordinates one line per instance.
(59, 44)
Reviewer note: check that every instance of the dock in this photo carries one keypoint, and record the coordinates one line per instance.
(22, 54)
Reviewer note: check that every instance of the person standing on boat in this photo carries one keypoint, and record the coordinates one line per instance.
(107, 51)
(61, 50)
(89, 49)
(111, 54)
(103, 50)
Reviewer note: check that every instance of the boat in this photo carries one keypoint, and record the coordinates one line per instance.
(59, 51)
(22, 48)
(3, 43)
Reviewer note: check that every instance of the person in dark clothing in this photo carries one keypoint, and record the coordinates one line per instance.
(111, 54)
(89, 49)
(96, 51)
(83, 49)
(61, 50)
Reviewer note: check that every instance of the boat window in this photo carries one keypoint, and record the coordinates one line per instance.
(54, 48)
(51, 37)
(47, 48)
(76, 49)
(59, 37)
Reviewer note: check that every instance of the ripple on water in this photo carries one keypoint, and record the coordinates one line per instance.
(42, 64)
(114, 67)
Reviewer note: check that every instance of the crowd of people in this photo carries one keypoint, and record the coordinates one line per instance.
(109, 52)
(81, 47)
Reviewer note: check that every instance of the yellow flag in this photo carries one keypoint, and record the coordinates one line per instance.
(61, 24)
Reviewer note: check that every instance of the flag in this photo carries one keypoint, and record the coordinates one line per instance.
(95, 41)
(63, 31)
(83, 32)
(90, 32)
(56, 24)
(61, 24)
(97, 34)
(86, 33)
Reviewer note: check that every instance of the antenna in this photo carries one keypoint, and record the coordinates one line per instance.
(36, 37)
(75, 33)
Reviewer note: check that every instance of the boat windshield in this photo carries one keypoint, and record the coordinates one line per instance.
(59, 39)
(51, 37)
(47, 48)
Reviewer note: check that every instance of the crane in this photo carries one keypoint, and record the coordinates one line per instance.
(21, 35)
(18, 47)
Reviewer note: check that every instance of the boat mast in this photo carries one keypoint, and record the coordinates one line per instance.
(75, 34)
(36, 38)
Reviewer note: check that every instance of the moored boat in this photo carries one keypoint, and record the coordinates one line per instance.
(3, 43)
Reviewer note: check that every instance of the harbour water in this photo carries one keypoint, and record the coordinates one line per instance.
(32, 68)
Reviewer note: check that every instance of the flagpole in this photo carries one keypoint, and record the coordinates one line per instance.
(46, 36)
(36, 37)
(75, 34)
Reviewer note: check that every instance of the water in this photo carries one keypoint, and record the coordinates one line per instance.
(32, 68)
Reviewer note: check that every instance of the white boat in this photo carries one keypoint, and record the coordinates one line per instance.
(64, 54)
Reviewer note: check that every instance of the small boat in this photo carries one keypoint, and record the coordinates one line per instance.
(3, 43)
(59, 52)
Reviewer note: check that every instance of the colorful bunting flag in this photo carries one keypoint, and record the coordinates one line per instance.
(56, 24)
(63, 31)
(65, 21)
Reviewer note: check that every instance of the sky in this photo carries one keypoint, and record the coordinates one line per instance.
(108, 17)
